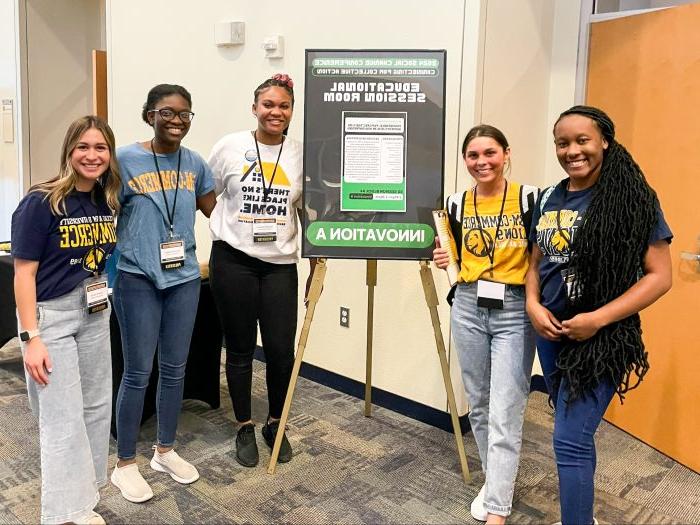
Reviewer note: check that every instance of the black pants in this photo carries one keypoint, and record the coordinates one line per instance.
(248, 291)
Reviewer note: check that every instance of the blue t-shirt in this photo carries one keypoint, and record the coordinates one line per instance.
(555, 244)
(143, 221)
(69, 247)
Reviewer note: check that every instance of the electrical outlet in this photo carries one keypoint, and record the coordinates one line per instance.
(345, 316)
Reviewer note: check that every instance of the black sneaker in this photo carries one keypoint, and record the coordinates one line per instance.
(269, 432)
(246, 447)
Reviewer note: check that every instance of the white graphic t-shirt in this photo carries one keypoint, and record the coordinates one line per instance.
(256, 206)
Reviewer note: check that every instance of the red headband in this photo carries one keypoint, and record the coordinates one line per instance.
(284, 79)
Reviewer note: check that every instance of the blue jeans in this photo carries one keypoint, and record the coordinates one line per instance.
(496, 349)
(575, 424)
(150, 318)
(74, 410)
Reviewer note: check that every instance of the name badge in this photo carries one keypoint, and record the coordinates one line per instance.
(96, 294)
(569, 278)
(172, 254)
(490, 294)
(265, 229)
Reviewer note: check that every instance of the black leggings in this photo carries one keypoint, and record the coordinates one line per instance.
(246, 291)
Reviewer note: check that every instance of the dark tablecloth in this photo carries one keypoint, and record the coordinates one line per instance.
(202, 379)
(8, 318)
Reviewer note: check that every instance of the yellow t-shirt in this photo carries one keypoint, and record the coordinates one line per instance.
(510, 257)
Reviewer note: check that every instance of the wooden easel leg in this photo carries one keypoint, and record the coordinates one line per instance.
(432, 302)
(314, 294)
(371, 283)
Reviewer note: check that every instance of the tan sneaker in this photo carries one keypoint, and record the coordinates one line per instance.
(170, 463)
(130, 482)
(91, 519)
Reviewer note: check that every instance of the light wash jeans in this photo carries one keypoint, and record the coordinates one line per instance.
(74, 409)
(496, 349)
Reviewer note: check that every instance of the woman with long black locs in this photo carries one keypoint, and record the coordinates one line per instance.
(601, 255)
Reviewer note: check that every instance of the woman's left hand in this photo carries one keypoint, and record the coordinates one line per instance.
(582, 326)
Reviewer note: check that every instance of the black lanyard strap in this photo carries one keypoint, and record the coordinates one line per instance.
(492, 252)
(170, 217)
(266, 189)
(559, 208)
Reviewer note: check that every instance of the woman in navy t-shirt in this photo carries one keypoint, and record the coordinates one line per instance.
(601, 254)
(62, 235)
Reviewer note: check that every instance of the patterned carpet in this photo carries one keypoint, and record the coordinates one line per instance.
(346, 468)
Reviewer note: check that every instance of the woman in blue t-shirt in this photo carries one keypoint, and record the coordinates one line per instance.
(156, 289)
(601, 255)
(62, 235)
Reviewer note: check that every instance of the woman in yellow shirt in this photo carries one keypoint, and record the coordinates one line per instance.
(493, 336)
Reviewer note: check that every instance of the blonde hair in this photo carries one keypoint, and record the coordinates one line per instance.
(57, 189)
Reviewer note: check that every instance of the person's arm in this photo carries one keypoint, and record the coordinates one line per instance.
(543, 321)
(36, 357)
(206, 203)
(656, 282)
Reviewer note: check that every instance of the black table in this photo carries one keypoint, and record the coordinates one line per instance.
(202, 375)
(8, 318)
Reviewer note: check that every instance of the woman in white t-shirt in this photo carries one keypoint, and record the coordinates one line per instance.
(253, 273)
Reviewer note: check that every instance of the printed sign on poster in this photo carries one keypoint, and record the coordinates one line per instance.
(373, 153)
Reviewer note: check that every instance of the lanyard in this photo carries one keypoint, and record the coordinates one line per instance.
(563, 203)
(266, 190)
(95, 243)
(171, 217)
(492, 252)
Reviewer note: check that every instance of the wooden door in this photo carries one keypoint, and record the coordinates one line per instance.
(99, 83)
(644, 70)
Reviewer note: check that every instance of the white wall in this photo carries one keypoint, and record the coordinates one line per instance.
(499, 61)
(9, 141)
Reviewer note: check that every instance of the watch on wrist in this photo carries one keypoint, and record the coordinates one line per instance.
(28, 334)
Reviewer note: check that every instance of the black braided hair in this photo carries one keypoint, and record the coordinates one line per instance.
(607, 256)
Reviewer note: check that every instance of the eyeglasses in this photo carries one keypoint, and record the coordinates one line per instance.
(169, 114)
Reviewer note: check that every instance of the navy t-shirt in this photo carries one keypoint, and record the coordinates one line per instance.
(69, 247)
(555, 244)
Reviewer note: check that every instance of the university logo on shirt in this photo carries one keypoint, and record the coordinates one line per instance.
(253, 192)
(478, 243)
(554, 236)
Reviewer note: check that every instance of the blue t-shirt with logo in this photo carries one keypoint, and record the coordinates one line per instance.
(554, 239)
(143, 220)
(69, 247)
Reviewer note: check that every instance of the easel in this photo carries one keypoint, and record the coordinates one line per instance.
(371, 281)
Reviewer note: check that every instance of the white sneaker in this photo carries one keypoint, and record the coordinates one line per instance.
(91, 519)
(130, 482)
(170, 463)
(477, 509)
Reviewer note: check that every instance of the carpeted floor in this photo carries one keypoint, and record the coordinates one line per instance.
(346, 468)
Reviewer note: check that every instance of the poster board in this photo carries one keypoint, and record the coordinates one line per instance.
(374, 141)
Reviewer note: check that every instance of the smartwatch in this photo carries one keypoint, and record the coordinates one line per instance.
(28, 334)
